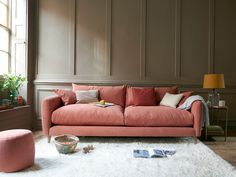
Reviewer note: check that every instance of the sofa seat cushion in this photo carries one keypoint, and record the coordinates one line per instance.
(87, 114)
(157, 116)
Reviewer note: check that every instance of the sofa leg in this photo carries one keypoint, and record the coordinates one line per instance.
(49, 139)
(195, 140)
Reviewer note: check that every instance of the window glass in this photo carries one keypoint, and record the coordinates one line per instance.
(3, 63)
(4, 1)
(4, 39)
(3, 15)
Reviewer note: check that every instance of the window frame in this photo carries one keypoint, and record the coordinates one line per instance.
(8, 30)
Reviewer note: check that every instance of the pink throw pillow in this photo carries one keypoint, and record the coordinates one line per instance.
(161, 91)
(67, 96)
(185, 96)
(144, 96)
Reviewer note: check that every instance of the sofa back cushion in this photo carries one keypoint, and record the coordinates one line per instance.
(144, 96)
(129, 97)
(161, 91)
(113, 94)
(83, 87)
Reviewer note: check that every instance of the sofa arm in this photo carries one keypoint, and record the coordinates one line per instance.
(196, 110)
(49, 104)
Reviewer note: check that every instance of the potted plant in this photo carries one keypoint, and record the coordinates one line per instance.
(13, 83)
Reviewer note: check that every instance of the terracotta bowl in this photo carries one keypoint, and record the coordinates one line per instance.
(66, 144)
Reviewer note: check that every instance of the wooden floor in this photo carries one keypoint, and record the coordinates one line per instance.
(227, 150)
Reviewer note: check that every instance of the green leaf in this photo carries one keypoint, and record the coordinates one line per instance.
(13, 83)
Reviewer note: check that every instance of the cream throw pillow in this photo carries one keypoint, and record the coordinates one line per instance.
(86, 96)
(171, 100)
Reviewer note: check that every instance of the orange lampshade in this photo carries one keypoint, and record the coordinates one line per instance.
(214, 81)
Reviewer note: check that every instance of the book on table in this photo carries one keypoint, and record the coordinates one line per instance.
(153, 153)
(104, 105)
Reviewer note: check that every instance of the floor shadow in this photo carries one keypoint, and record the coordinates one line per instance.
(42, 163)
(135, 139)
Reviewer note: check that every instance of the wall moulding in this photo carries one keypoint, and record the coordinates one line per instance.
(61, 83)
(177, 38)
(56, 34)
(92, 38)
(105, 82)
(39, 96)
(144, 65)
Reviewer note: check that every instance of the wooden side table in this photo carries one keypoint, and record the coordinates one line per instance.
(216, 129)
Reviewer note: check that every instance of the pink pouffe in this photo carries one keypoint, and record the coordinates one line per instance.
(17, 150)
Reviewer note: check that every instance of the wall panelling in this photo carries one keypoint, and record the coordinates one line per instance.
(125, 39)
(55, 38)
(194, 39)
(92, 26)
(140, 42)
(225, 39)
(160, 40)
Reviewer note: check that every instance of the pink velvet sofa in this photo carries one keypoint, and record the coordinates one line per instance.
(122, 119)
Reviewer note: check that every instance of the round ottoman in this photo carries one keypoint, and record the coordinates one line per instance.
(16, 150)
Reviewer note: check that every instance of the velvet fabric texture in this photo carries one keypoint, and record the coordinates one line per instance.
(49, 104)
(112, 94)
(67, 96)
(196, 110)
(17, 150)
(84, 87)
(144, 96)
(191, 120)
(161, 91)
(129, 97)
(157, 116)
(88, 114)
(185, 96)
(122, 131)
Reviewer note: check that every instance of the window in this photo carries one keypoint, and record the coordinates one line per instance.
(12, 37)
(4, 37)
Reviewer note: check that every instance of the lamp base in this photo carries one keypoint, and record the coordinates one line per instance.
(213, 98)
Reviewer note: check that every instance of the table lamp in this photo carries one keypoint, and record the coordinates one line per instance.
(213, 81)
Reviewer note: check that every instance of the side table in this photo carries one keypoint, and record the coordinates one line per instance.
(216, 129)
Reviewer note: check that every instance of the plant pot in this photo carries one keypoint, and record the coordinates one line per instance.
(11, 97)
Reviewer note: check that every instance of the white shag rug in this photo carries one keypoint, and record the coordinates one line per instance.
(113, 157)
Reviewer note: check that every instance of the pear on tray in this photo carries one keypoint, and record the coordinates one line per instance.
(102, 102)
